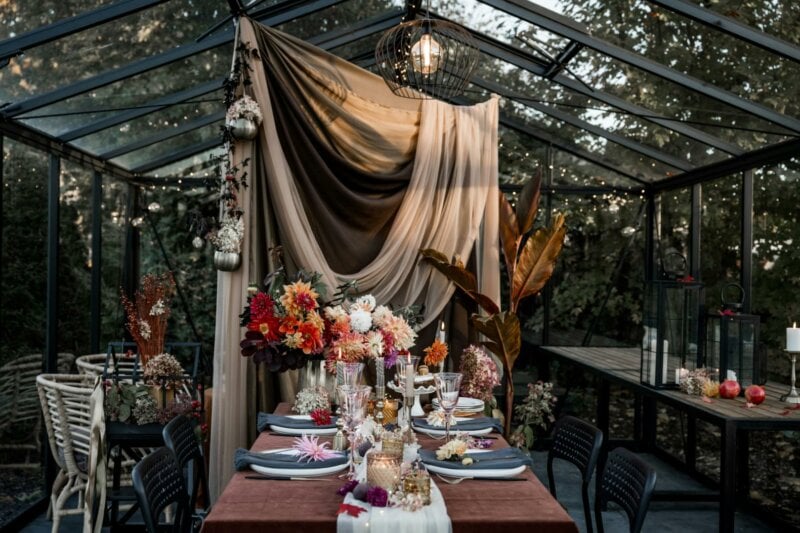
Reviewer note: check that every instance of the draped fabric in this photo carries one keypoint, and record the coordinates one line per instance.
(352, 181)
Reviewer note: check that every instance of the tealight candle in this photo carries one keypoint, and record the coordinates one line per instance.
(383, 470)
(793, 338)
(390, 411)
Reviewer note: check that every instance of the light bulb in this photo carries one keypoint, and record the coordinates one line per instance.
(426, 55)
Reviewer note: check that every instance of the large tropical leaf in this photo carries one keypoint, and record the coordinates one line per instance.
(537, 261)
(485, 302)
(509, 234)
(455, 271)
(503, 331)
(528, 204)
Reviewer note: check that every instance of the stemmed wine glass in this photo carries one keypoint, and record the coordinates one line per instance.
(447, 388)
(354, 400)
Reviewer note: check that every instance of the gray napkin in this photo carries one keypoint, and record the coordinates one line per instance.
(244, 459)
(472, 424)
(496, 459)
(265, 420)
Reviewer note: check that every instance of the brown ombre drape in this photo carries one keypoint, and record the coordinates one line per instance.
(352, 181)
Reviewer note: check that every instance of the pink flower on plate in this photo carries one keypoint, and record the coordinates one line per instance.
(311, 449)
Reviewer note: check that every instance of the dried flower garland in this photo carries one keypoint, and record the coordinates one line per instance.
(148, 312)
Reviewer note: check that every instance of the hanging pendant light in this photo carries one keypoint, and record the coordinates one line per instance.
(427, 58)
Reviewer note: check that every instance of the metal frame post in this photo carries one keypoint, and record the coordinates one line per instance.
(53, 212)
(547, 292)
(696, 224)
(747, 239)
(97, 262)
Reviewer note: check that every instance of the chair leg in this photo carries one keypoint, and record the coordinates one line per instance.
(598, 512)
(587, 510)
(58, 483)
(551, 478)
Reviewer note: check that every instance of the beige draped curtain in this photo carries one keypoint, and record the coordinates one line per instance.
(352, 181)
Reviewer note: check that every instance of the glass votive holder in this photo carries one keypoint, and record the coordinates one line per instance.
(390, 411)
(418, 482)
(383, 470)
(392, 443)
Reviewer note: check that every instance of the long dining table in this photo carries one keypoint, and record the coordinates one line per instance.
(474, 506)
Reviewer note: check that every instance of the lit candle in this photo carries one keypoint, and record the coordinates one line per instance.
(441, 336)
(793, 338)
(383, 470)
(409, 379)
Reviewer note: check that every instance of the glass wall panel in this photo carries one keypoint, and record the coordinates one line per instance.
(720, 238)
(23, 297)
(520, 157)
(75, 259)
(115, 223)
(776, 259)
(166, 244)
(597, 286)
(673, 225)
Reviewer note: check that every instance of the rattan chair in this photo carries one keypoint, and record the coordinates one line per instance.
(181, 438)
(158, 483)
(67, 408)
(91, 364)
(579, 443)
(20, 413)
(629, 482)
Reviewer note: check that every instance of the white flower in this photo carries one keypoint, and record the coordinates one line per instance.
(454, 448)
(381, 315)
(244, 107)
(144, 329)
(366, 302)
(158, 308)
(436, 418)
(335, 314)
(360, 320)
(228, 238)
(375, 344)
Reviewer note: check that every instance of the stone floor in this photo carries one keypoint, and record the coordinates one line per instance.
(663, 517)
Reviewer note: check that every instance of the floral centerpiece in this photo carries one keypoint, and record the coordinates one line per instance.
(164, 371)
(147, 314)
(228, 237)
(284, 327)
(359, 330)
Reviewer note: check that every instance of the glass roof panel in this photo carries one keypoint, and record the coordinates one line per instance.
(18, 17)
(696, 50)
(132, 92)
(520, 157)
(143, 127)
(778, 18)
(571, 170)
(199, 166)
(145, 155)
(337, 16)
(106, 47)
(673, 101)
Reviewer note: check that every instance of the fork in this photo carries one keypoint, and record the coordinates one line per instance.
(457, 480)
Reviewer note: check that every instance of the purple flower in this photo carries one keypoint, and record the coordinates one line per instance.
(390, 359)
(377, 497)
(347, 487)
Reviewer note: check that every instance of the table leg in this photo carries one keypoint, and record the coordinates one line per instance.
(727, 478)
(649, 419)
(743, 465)
(691, 443)
(117, 477)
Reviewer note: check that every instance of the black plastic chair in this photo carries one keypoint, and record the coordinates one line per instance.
(158, 483)
(629, 482)
(180, 437)
(579, 443)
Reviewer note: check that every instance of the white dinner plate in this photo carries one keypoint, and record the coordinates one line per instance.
(465, 404)
(296, 472)
(477, 472)
(453, 429)
(302, 431)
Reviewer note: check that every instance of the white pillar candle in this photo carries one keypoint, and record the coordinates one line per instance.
(793, 338)
(441, 336)
(410, 379)
(652, 356)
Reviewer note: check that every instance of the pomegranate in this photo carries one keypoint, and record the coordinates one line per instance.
(755, 394)
(729, 389)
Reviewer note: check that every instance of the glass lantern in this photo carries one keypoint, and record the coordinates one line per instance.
(732, 342)
(671, 340)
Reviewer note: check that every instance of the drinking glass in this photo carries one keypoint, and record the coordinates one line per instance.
(354, 400)
(447, 387)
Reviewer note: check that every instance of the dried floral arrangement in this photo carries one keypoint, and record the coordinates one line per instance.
(311, 398)
(229, 235)
(148, 312)
(244, 107)
(165, 371)
(535, 411)
(480, 374)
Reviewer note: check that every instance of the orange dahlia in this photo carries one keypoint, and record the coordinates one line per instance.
(435, 353)
(299, 297)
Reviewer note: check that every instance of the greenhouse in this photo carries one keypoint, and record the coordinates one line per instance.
(351, 265)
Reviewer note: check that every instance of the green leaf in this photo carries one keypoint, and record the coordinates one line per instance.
(528, 431)
(124, 412)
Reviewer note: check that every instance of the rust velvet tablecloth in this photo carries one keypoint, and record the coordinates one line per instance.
(248, 505)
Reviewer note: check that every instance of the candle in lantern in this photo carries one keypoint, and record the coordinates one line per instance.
(390, 411)
(410, 379)
(793, 338)
(383, 470)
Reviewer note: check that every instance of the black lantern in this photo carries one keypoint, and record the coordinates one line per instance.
(672, 318)
(732, 341)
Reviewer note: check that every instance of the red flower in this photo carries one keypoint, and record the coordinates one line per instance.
(352, 510)
(261, 305)
(268, 326)
(686, 279)
(727, 312)
(321, 417)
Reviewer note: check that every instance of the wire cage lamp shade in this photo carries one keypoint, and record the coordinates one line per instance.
(426, 59)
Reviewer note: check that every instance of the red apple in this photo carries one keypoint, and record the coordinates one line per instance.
(755, 394)
(729, 389)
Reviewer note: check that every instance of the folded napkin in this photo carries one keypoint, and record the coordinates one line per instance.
(244, 459)
(496, 459)
(473, 424)
(265, 420)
